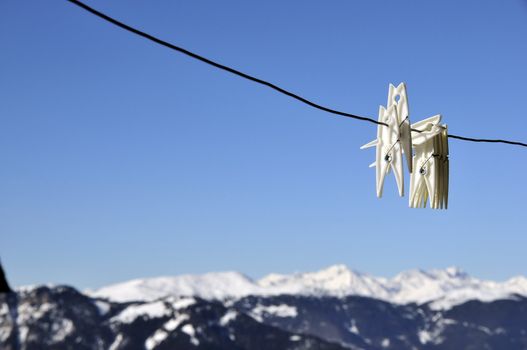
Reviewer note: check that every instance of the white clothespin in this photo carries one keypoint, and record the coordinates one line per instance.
(397, 96)
(393, 139)
(430, 163)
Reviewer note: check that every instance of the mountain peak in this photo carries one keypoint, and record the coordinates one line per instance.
(443, 287)
(336, 269)
(213, 285)
(419, 275)
(455, 271)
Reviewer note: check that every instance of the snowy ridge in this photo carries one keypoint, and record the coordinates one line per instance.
(442, 288)
(220, 285)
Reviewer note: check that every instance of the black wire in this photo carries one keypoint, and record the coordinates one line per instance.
(257, 80)
(487, 140)
(220, 66)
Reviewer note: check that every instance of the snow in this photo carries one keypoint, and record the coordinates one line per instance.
(174, 323)
(150, 310)
(281, 310)
(208, 286)
(433, 332)
(385, 343)
(336, 280)
(295, 338)
(61, 329)
(460, 296)
(424, 337)
(117, 342)
(4, 309)
(102, 306)
(5, 331)
(153, 341)
(161, 334)
(27, 311)
(23, 331)
(228, 317)
(189, 329)
(443, 289)
(353, 328)
(31, 287)
(183, 303)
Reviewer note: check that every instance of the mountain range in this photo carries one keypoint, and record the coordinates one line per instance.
(335, 308)
(441, 288)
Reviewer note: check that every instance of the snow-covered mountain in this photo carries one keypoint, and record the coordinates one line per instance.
(60, 317)
(441, 288)
(332, 309)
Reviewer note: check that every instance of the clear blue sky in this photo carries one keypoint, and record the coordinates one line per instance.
(122, 159)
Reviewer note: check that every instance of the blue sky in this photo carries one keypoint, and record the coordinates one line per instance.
(123, 159)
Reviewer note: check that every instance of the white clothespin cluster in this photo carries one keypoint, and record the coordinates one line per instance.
(430, 176)
(428, 139)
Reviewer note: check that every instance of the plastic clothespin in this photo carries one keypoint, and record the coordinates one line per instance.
(429, 181)
(397, 97)
(393, 139)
